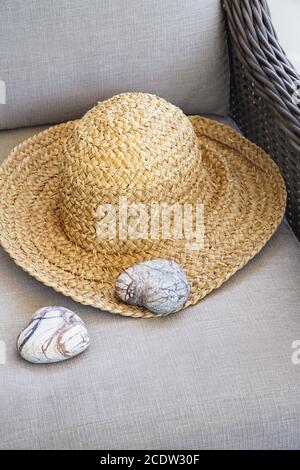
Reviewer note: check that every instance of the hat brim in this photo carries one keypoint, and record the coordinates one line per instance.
(244, 203)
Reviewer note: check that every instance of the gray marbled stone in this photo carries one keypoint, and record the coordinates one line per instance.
(54, 334)
(158, 285)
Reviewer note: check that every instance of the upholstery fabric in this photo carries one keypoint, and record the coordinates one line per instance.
(59, 57)
(218, 375)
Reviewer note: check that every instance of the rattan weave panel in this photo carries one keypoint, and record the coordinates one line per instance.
(262, 87)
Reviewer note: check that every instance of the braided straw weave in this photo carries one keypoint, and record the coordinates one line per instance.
(139, 146)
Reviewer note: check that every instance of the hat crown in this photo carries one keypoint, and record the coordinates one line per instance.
(135, 145)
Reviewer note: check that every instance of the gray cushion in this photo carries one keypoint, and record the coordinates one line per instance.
(218, 375)
(58, 58)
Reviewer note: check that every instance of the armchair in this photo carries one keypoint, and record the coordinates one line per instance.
(219, 375)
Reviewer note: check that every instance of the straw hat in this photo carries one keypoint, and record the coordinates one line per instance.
(141, 147)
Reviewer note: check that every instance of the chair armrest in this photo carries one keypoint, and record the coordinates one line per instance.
(263, 84)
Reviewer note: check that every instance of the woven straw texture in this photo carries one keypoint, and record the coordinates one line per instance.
(139, 146)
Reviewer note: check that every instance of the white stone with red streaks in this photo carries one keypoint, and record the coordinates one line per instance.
(54, 334)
